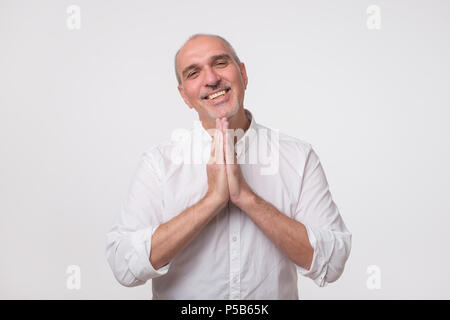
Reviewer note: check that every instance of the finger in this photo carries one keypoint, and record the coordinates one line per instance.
(224, 128)
(213, 141)
(224, 122)
(228, 144)
(219, 151)
(219, 124)
(213, 150)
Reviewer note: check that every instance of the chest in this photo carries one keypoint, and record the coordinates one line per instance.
(185, 185)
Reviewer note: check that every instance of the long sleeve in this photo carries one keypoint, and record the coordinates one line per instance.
(327, 232)
(128, 243)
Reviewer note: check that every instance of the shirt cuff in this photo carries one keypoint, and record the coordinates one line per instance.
(319, 266)
(139, 259)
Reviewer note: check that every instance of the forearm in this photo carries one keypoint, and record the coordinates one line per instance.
(171, 237)
(289, 235)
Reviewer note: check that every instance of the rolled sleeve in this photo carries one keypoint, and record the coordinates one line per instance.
(326, 230)
(129, 242)
(318, 269)
(139, 258)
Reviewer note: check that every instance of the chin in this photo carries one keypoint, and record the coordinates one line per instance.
(224, 112)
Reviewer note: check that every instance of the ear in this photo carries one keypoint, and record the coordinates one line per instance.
(183, 95)
(244, 74)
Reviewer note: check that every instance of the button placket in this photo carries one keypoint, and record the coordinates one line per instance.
(235, 253)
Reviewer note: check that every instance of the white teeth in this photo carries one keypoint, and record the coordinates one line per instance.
(217, 94)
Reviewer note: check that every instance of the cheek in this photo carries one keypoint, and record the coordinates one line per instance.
(239, 85)
(191, 92)
(239, 80)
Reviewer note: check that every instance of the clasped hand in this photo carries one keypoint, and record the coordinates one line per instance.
(225, 179)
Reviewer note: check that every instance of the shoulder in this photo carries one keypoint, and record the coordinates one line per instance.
(157, 153)
(169, 152)
(286, 142)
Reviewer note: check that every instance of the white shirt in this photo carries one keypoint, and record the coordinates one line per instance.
(231, 258)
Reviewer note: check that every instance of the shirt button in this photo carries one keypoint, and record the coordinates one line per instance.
(234, 239)
(236, 279)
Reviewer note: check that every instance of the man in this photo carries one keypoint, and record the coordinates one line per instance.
(226, 229)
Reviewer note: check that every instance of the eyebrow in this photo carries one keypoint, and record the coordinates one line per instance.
(212, 59)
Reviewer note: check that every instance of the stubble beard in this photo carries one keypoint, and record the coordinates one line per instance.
(228, 115)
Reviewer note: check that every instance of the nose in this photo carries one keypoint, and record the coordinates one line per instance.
(212, 79)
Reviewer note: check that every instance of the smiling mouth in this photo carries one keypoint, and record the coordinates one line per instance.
(216, 94)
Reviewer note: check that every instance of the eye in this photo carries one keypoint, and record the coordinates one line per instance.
(191, 74)
(221, 63)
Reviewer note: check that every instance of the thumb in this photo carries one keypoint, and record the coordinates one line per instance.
(230, 155)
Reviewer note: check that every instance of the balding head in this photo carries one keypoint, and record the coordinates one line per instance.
(193, 37)
(211, 79)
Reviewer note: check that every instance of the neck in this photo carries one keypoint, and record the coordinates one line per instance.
(238, 121)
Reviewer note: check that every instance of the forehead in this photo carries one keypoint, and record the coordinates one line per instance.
(200, 49)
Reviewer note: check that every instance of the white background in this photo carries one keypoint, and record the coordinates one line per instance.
(78, 107)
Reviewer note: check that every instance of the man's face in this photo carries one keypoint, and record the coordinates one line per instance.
(211, 80)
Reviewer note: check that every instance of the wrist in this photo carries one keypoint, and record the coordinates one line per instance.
(215, 201)
(245, 199)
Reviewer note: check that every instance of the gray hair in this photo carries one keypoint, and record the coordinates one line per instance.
(233, 52)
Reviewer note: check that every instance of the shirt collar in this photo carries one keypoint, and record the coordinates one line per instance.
(243, 142)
